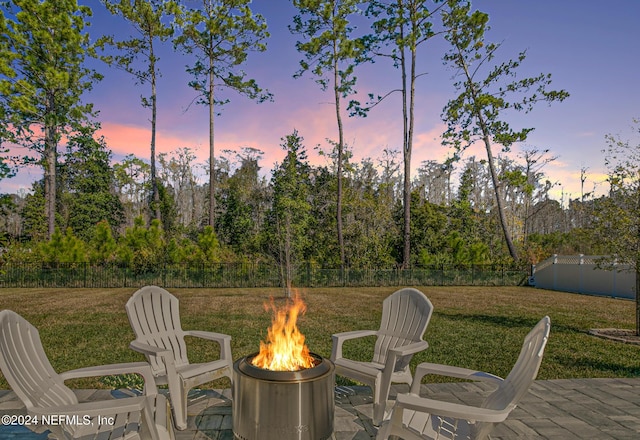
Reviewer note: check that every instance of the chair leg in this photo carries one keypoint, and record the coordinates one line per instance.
(178, 398)
(381, 394)
(383, 431)
(159, 421)
(379, 404)
(378, 413)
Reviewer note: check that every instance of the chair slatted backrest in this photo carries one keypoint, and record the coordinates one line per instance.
(522, 375)
(154, 315)
(26, 367)
(405, 316)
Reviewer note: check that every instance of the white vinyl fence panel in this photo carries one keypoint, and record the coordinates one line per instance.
(580, 273)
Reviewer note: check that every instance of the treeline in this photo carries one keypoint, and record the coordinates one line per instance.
(343, 214)
(287, 216)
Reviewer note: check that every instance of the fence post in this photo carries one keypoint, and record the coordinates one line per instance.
(555, 271)
(613, 274)
(164, 274)
(581, 273)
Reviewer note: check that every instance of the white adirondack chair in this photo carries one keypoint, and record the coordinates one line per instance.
(45, 396)
(418, 418)
(155, 318)
(405, 316)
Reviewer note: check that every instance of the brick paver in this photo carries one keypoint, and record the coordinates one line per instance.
(606, 409)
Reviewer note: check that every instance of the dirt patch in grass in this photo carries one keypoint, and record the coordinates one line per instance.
(616, 334)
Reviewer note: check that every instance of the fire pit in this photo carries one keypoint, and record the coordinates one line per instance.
(284, 392)
(283, 405)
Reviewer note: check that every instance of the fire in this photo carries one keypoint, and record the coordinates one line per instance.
(284, 349)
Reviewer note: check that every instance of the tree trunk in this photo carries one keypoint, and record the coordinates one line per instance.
(340, 155)
(406, 151)
(498, 192)
(407, 158)
(212, 159)
(50, 157)
(288, 270)
(154, 109)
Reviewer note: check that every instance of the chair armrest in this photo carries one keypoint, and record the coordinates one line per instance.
(149, 350)
(448, 409)
(450, 371)
(213, 336)
(163, 355)
(223, 340)
(413, 348)
(339, 339)
(142, 368)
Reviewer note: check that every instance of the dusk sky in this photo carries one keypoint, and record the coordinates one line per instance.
(590, 48)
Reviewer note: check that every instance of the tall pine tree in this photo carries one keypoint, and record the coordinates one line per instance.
(220, 34)
(43, 45)
(485, 92)
(138, 57)
(331, 54)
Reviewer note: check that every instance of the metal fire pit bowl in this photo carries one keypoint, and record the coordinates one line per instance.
(283, 405)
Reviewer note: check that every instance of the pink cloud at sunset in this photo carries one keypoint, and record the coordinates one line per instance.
(130, 139)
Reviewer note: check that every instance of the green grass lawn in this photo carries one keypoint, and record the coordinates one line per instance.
(473, 327)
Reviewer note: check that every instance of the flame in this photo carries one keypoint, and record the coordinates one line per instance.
(285, 349)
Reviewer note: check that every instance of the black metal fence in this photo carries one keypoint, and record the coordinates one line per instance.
(221, 275)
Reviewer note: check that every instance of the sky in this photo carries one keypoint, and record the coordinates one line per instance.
(589, 47)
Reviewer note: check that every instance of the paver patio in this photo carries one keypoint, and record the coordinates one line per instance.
(570, 409)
